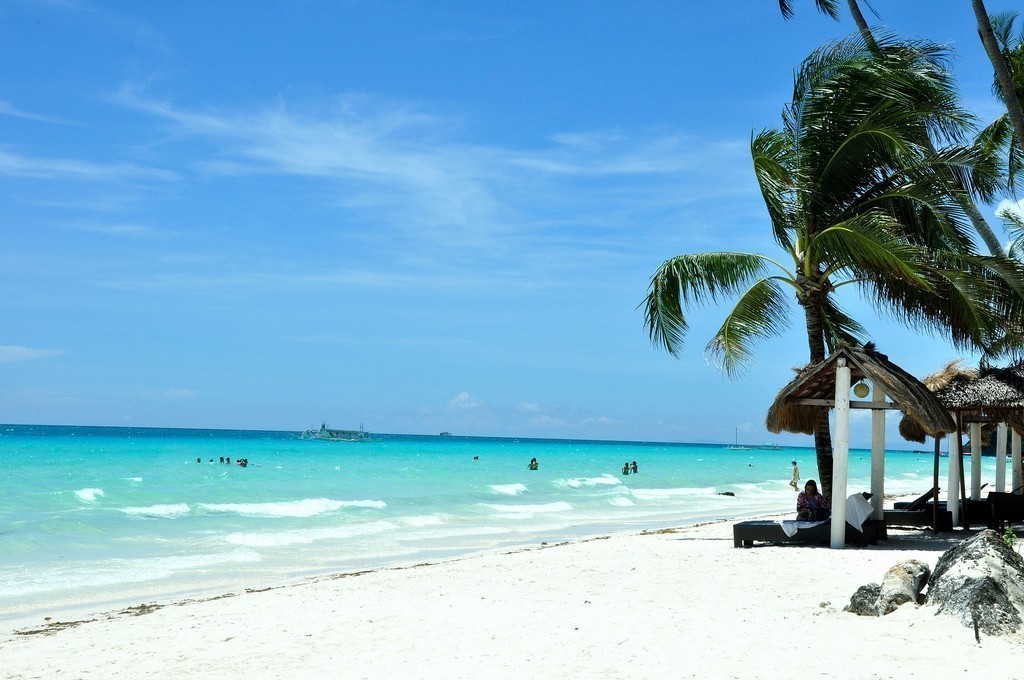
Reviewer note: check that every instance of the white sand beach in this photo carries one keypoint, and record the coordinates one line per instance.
(679, 603)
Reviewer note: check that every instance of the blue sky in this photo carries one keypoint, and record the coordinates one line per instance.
(418, 216)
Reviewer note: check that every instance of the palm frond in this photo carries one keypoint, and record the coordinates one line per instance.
(839, 328)
(694, 280)
(829, 7)
(770, 151)
(760, 312)
(868, 245)
(1013, 222)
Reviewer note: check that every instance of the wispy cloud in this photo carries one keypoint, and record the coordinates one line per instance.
(405, 167)
(8, 109)
(116, 229)
(14, 353)
(179, 393)
(14, 165)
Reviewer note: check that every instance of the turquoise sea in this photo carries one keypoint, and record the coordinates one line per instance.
(93, 518)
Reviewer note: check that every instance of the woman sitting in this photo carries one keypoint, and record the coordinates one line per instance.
(811, 505)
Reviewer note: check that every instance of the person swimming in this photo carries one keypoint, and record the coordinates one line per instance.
(533, 464)
(625, 468)
(632, 468)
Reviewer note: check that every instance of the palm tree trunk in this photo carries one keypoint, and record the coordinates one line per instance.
(988, 39)
(980, 224)
(822, 432)
(862, 26)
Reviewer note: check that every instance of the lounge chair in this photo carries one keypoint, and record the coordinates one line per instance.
(791, 531)
(920, 512)
(1005, 509)
(918, 503)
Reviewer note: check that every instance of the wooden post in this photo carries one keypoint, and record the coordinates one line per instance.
(953, 481)
(1001, 458)
(878, 452)
(935, 486)
(1015, 461)
(975, 461)
(840, 454)
(965, 518)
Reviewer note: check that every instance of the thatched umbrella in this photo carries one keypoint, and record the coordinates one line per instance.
(988, 394)
(799, 405)
(984, 395)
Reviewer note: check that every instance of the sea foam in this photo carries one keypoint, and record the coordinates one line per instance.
(114, 571)
(424, 520)
(166, 510)
(578, 482)
(276, 539)
(307, 507)
(508, 489)
(661, 494)
(89, 495)
(559, 506)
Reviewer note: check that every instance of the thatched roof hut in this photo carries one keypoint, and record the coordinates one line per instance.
(800, 404)
(988, 394)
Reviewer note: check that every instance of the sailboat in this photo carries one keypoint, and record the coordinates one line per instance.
(736, 446)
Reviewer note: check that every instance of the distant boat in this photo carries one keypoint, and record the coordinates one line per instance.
(770, 446)
(445, 434)
(736, 446)
(328, 434)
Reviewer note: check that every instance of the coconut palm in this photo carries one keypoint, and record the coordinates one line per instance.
(967, 204)
(831, 8)
(1000, 137)
(854, 199)
(1004, 76)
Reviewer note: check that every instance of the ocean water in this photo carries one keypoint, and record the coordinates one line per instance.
(94, 518)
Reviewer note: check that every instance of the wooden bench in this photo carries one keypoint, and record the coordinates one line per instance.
(770, 531)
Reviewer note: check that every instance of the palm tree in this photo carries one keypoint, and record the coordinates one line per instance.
(855, 199)
(1004, 78)
(831, 8)
(981, 225)
(1000, 138)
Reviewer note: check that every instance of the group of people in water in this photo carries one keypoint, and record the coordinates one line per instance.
(627, 467)
(241, 462)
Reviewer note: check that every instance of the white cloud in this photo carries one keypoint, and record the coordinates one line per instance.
(13, 353)
(599, 421)
(179, 393)
(463, 402)
(547, 422)
(1012, 206)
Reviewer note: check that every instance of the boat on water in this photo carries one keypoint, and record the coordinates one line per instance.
(770, 446)
(736, 446)
(332, 435)
(445, 434)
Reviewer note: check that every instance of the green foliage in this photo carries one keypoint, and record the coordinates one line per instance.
(857, 193)
(1010, 538)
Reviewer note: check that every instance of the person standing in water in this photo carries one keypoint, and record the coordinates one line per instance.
(533, 464)
(796, 477)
